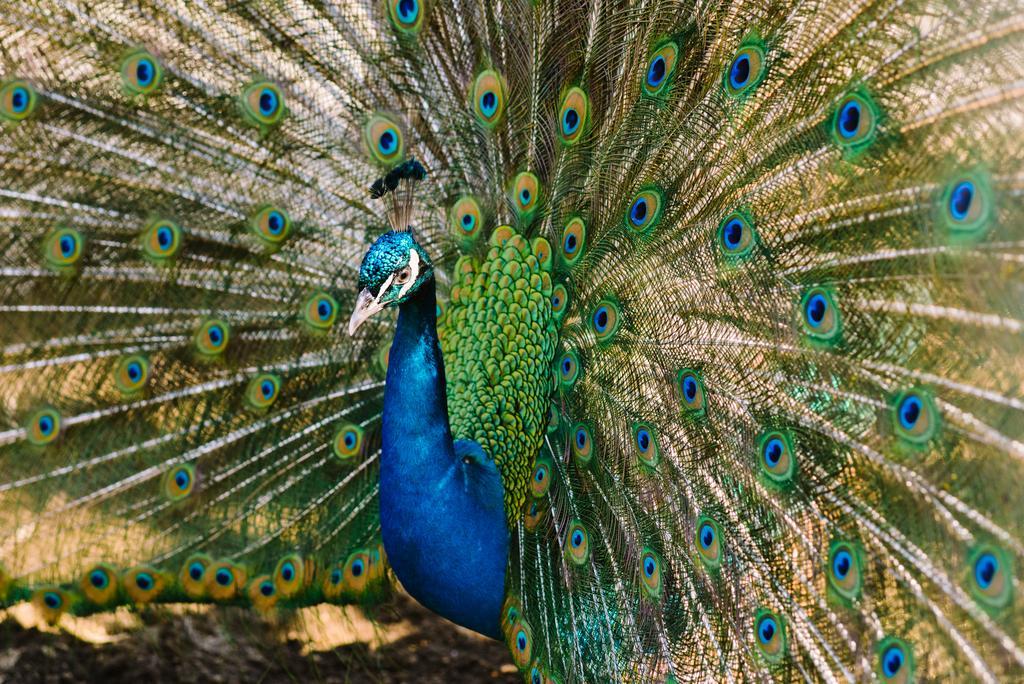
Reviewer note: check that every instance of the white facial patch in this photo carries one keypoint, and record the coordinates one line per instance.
(414, 273)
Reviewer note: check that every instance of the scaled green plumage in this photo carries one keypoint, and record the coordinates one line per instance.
(801, 407)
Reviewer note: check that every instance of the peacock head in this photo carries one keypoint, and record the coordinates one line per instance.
(393, 269)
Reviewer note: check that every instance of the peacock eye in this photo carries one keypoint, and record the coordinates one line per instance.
(402, 277)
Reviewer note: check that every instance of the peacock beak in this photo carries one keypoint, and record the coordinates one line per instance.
(366, 306)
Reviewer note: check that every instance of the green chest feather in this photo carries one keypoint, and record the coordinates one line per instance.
(498, 337)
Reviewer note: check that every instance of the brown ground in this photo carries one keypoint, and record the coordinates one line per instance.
(173, 644)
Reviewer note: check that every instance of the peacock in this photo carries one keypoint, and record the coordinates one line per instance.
(665, 340)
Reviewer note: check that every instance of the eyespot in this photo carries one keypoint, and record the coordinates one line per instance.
(745, 71)
(99, 584)
(488, 98)
(660, 67)
(895, 661)
(500, 236)
(406, 15)
(605, 320)
(554, 419)
(141, 73)
(525, 193)
(510, 612)
(855, 121)
(289, 575)
(320, 311)
(332, 586)
(819, 316)
(521, 643)
(465, 218)
(262, 104)
(577, 543)
(179, 482)
(143, 584)
(43, 427)
(915, 418)
(360, 569)
(645, 440)
(650, 573)
(559, 300)
(540, 481)
(348, 442)
(709, 542)
(691, 392)
(574, 236)
(192, 576)
(262, 593)
(51, 602)
(383, 138)
(736, 236)
(573, 115)
(991, 576)
(262, 391)
(776, 457)
(568, 369)
(967, 205)
(645, 210)
(17, 101)
(161, 239)
(131, 373)
(212, 337)
(844, 569)
(224, 580)
(770, 635)
(582, 444)
(271, 225)
(541, 249)
(534, 511)
(63, 247)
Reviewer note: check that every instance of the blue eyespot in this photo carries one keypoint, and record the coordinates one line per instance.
(488, 103)
(566, 366)
(335, 576)
(739, 72)
(656, 72)
(601, 319)
(275, 222)
(732, 234)
(323, 309)
(841, 564)
(268, 102)
(408, 11)
(707, 535)
(849, 119)
(521, 640)
(524, 196)
(134, 371)
(46, 426)
(267, 389)
(19, 100)
(216, 335)
(773, 451)
(649, 566)
(638, 212)
(690, 388)
(985, 569)
(643, 439)
(570, 121)
(223, 577)
(196, 571)
(181, 479)
(766, 630)
(960, 200)
(357, 567)
(577, 538)
(571, 243)
(144, 581)
(910, 411)
(52, 600)
(287, 571)
(387, 143)
(892, 661)
(99, 579)
(144, 72)
(816, 308)
(267, 589)
(581, 438)
(67, 246)
(540, 475)
(468, 222)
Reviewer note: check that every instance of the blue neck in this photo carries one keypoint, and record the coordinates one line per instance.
(441, 504)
